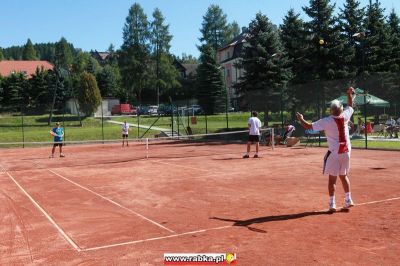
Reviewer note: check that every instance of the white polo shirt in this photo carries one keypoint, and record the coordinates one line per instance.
(125, 129)
(255, 125)
(336, 130)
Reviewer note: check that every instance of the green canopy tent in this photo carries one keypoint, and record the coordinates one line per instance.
(360, 100)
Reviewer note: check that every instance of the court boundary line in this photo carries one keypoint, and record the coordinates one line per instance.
(112, 201)
(49, 218)
(204, 230)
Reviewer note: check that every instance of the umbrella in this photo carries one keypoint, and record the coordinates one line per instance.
(370, 99)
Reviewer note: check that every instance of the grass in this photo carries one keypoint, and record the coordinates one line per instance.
(36, 128)
(372, 144)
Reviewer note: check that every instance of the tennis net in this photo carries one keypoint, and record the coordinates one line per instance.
(81, 153)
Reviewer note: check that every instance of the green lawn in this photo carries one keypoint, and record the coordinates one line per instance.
(37, 130)
(372, 144)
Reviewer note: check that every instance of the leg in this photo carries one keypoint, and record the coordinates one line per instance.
(332, 185)
(248, 147)
(53, 150)
(345, 182)
(257, 146)
(331, 189)
(60, 146)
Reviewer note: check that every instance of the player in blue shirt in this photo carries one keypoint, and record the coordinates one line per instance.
(58, 134)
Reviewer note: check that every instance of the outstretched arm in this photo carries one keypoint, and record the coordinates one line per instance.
(350, 93)
(304, 123)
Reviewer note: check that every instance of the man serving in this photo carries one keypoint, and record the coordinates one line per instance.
(337, 159)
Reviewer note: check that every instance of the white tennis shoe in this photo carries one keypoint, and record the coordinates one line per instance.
(348, 203)
(332, 206)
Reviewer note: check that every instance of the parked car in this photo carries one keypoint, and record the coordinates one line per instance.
(153, 110)
(123, 109)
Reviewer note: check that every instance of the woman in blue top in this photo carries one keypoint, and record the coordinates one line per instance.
(58, 134)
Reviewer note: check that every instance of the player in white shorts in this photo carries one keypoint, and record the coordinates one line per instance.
(125, 133)
(337, 159)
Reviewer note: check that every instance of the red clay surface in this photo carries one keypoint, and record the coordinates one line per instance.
(116, 207)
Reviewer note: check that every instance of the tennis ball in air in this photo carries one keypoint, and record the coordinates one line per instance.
(321, 42)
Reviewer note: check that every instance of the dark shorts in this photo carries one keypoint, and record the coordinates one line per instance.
(254, 138)
(57, 144)
(124, 136)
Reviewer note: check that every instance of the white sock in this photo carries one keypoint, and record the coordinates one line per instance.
(332, 199)
(348, 195)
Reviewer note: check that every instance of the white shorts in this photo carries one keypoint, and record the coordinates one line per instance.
(336, 164)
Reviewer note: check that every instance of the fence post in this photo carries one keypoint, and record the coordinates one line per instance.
(102, 121)
(22, 127)
(365, 120)
(206, 124)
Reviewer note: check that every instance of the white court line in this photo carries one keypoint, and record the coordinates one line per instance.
(156, 238)
(204, 230)
(111, 201)
(60, 230)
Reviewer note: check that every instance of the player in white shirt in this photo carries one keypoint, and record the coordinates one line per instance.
(125, 134)
(254, 134)
(337, 159)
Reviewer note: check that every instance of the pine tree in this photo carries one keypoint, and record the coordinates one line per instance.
(134, 56)
(1, 54)
(29, 52)
(63, 54)
(166, 75)
(294, 39)
(233, 30)
(350, 21)
(209, 84)
(39, 92)
(214, 30)
(15, 89)
(378, 48)
(89, 96)
(394, 31)
(108, 80)
(265, 65)
(323, 50)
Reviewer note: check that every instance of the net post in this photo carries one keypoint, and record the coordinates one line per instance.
(147, 148)
(273, 138)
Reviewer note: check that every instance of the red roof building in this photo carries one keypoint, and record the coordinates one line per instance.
(26, 67)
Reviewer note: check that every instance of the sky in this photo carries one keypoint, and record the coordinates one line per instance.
(95, 24)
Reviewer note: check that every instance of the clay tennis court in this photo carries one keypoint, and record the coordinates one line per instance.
(106, 205)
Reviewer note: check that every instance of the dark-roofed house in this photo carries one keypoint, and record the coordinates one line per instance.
(101, 57)
(185, 70)
(26, 67)
(228, 56)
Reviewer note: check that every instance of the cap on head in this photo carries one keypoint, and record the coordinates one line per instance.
(58, 124)
(254, 113)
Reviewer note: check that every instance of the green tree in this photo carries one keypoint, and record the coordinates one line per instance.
(15, 87)
(233, 30)
(351, 19)
(294, 40)
(265, 65)
(1, 54)
(377, 42)
(188, 59)
(394, 31)
(134, 56)
(215, 29)
(39, 93)
(89, 96)
(209, 85)
(63, 54)
(29, 53)
(323, 50)
(108, 80)
(166, 75)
